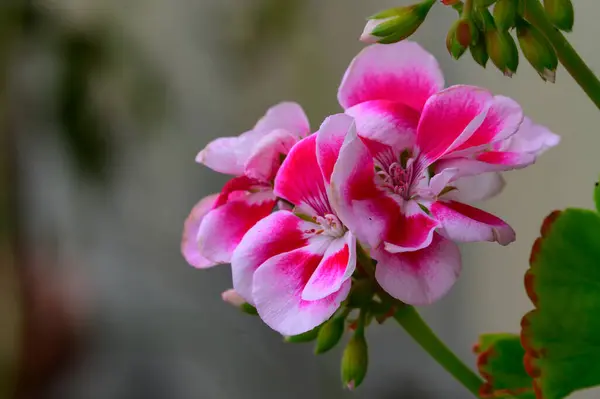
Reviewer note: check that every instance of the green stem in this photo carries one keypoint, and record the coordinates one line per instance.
(583, 75)
(467, 8)
(408, 317)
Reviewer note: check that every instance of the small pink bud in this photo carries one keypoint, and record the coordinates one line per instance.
(233, 298)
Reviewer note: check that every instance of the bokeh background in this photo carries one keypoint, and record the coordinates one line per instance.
(103, 107)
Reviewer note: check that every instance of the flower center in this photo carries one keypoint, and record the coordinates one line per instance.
(329, 225)
(397, 179)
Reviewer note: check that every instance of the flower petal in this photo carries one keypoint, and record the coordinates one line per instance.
(476, 188)
(278, 233)
(391, 123)
(359, 203)
(450, 118)
(227, 154)
(287, 116)
(300, 180)
(278, 286)
(265, 159)
(335, 268)
(402, 72)
(223, 228)
(465, 223)
(230, 154)
(530, 138)
(502, 120)
(489, 161)
(412, 230)
(330, 138)
(189, 241)
(419, 277)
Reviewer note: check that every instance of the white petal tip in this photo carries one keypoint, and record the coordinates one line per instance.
(549, 75)
(350, 386)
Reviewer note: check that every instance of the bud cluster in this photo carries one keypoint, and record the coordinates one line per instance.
(485, 28)
(364, 304)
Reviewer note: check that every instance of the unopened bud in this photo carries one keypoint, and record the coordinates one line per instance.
(505, 14)
(560, 13)
(395, 24)
(538, 51)
(484, 3)
(330, 334)
(355, 360)
(450, 2)
(502, 50)
(466, 32)
(233, 298)
(455, 48)
(304, 337)
(479, 53)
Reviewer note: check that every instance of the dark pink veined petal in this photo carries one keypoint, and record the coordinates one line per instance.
(364, 208)
(531, 138)
(464, 223)
(402, 72)
(510, 160)
(235, 186)
(286, 116)
(277, 293)
(449, 119)
(330, 138)
(189, 241)
(335, 268)
(300, 180)
(502, 120)
(223, 228)
(419, 277)
(476, 188)
(411, 230)
(391, 124)
(265, 159)
(489, 161)
(278, 233)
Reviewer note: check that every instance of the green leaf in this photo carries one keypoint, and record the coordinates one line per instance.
(562, 334)
(500, 362)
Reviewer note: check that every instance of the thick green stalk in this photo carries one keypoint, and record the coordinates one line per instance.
(408, 317)
(568, 57)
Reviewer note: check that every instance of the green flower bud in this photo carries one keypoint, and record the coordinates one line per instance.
(355, 360)
(505, 14)
(304, 337)
(502, 50)
(330, 334)
(479, 53)
(484, 3)
(538, 51)
(560, 13)
(395, 24)
(455, 48)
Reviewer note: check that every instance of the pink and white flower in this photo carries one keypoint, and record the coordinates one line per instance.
(295, 267)
(418, 151)
(217, 223)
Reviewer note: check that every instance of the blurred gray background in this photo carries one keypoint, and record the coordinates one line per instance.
(157, 328)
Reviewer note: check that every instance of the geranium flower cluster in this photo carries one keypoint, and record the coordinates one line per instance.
(391, 176)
